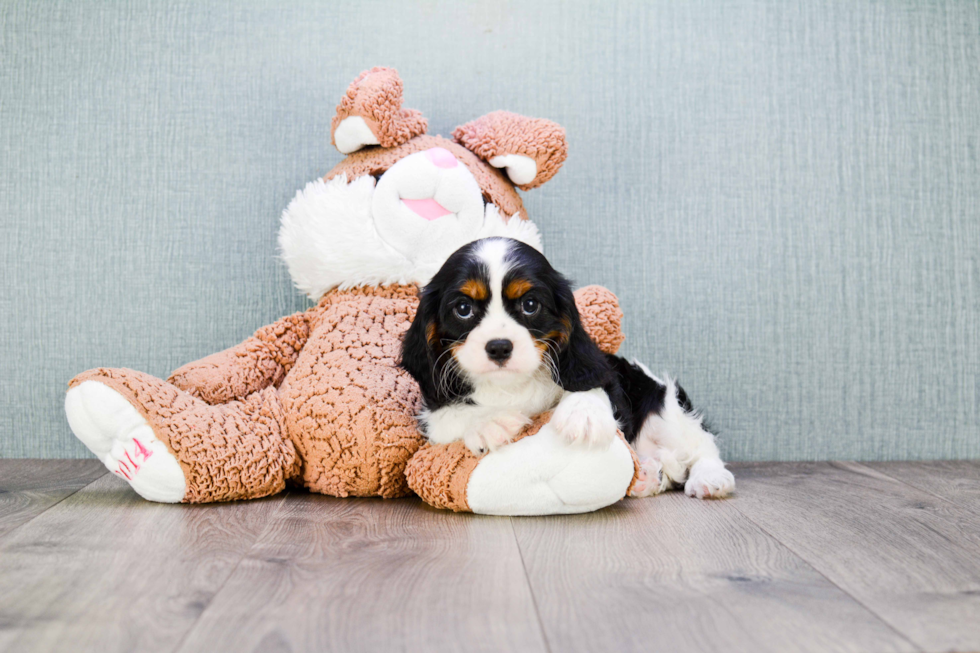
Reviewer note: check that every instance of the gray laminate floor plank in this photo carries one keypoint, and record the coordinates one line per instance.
(955, 480)
(374, 575)
(672, 573)
(29, 487)
(909, 556)
(105, 570)
(806, 557)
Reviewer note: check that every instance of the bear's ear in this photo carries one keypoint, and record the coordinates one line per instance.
(531, 149)
(371, 113)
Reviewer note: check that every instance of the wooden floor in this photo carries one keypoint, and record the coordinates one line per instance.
(806, 557)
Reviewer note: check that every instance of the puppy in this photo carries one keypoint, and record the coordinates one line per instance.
(497, 339)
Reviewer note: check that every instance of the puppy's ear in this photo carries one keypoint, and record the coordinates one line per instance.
(581, 365)
(418, 356)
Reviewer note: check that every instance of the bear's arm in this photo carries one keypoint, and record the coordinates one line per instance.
(262, 360)
(601, 317)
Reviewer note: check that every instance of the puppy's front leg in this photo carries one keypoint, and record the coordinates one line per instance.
(494, 432)
(480, 428)
(586, 417)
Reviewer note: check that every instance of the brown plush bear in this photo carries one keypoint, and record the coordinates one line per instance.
(317, 398)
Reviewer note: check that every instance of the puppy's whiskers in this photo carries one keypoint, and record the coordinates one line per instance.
(447, 381)
(550, 357)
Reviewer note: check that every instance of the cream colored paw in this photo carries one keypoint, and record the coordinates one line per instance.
(118, 435)
(651, 480)
(475, 443)
(586, 418)
(496, 433)
(708, 479)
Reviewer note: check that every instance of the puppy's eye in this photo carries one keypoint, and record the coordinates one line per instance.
(530, 306)
(463, 310)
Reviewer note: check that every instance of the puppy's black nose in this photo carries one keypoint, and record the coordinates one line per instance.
(499, 350)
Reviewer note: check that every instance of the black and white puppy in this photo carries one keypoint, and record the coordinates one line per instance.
(497, 339)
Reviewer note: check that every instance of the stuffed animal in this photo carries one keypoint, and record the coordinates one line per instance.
(317, 399)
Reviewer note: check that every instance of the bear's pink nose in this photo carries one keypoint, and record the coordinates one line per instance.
(441, 157)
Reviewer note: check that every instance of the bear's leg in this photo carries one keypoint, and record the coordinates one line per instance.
(118, 435)
(172, 447)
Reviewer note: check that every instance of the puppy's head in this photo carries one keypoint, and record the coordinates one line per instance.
(495, 312)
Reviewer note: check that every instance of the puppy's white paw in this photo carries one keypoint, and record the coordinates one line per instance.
(651, 480)
(587, 418)
(497, 432)
(510, 423)
(708, 479)
(476, 443)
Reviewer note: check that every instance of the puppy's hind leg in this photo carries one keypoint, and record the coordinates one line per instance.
(675, 436)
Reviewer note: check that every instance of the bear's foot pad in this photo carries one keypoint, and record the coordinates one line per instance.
(122, 439)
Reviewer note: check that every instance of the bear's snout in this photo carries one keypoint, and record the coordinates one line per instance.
(441, 157)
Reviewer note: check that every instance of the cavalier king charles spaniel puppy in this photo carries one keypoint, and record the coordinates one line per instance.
(497, 340)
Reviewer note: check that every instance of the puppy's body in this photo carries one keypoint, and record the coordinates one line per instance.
(492, 344)
(497, 339)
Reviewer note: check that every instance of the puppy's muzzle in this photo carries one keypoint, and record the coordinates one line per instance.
(499, 350)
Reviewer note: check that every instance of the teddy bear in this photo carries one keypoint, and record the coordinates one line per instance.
(317, 399)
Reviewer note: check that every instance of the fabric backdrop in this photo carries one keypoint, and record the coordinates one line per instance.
(784, 195)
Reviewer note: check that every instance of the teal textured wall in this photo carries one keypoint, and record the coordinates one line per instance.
(785, 195)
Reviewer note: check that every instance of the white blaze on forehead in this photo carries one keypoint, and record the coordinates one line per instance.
(496, 323)
(493, 252)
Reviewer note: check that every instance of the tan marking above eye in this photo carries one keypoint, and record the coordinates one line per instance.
(516, 288)
(475, 289)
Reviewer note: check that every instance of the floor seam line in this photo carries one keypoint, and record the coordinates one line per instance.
(874, 613)
(70, 494)
(916, 487)
(530, 588)
(231, 573)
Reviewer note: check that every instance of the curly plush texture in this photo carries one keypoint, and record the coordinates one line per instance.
(236, 450)
(316, 399)
(601, 317)
(376, 96)
(235, 373)
(350, 410)
(376, 160)
(503, 132)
